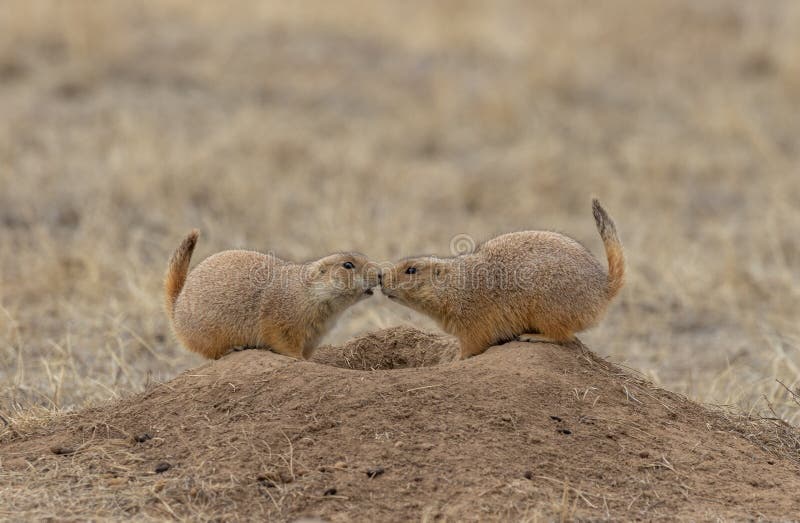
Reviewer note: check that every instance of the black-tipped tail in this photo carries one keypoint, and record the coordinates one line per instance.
(178, 269)
(614, 253)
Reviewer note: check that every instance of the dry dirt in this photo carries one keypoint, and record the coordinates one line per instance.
(390, 428)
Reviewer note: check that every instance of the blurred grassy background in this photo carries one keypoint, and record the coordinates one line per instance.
(389, 127)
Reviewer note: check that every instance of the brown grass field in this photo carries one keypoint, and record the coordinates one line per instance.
(389, 128)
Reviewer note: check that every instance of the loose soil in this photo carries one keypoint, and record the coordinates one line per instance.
(389, 427)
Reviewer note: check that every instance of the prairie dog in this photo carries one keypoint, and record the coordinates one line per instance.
(244, 298)
(531, 285)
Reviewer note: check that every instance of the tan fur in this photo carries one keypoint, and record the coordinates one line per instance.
(249, 299)
(177, 270)
(539, 283)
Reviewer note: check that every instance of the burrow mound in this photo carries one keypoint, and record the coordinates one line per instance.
(395, 348)
(523, 431)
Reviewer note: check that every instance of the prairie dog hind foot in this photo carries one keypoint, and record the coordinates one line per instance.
(533, 337)
(240, 348)
(266, 348)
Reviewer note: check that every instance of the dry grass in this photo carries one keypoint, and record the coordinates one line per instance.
(388, 128)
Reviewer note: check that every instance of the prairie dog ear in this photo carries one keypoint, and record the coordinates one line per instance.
(440, 268)
(323, 265)
(318, 267)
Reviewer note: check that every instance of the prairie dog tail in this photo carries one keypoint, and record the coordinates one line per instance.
(177, 270)
(616, 258)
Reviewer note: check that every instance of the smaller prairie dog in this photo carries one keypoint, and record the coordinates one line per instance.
(244, 298)
(531, 286)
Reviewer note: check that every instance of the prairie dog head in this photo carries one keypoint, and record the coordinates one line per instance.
(421, 283)
(343, 278)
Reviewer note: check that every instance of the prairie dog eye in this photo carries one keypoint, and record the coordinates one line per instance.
(348, 265)
(411, 270)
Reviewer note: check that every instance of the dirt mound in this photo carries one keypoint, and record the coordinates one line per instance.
(396, 348)
(522, 431)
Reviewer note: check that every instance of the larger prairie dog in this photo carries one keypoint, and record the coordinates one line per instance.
(531, 285)
(243, 298)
